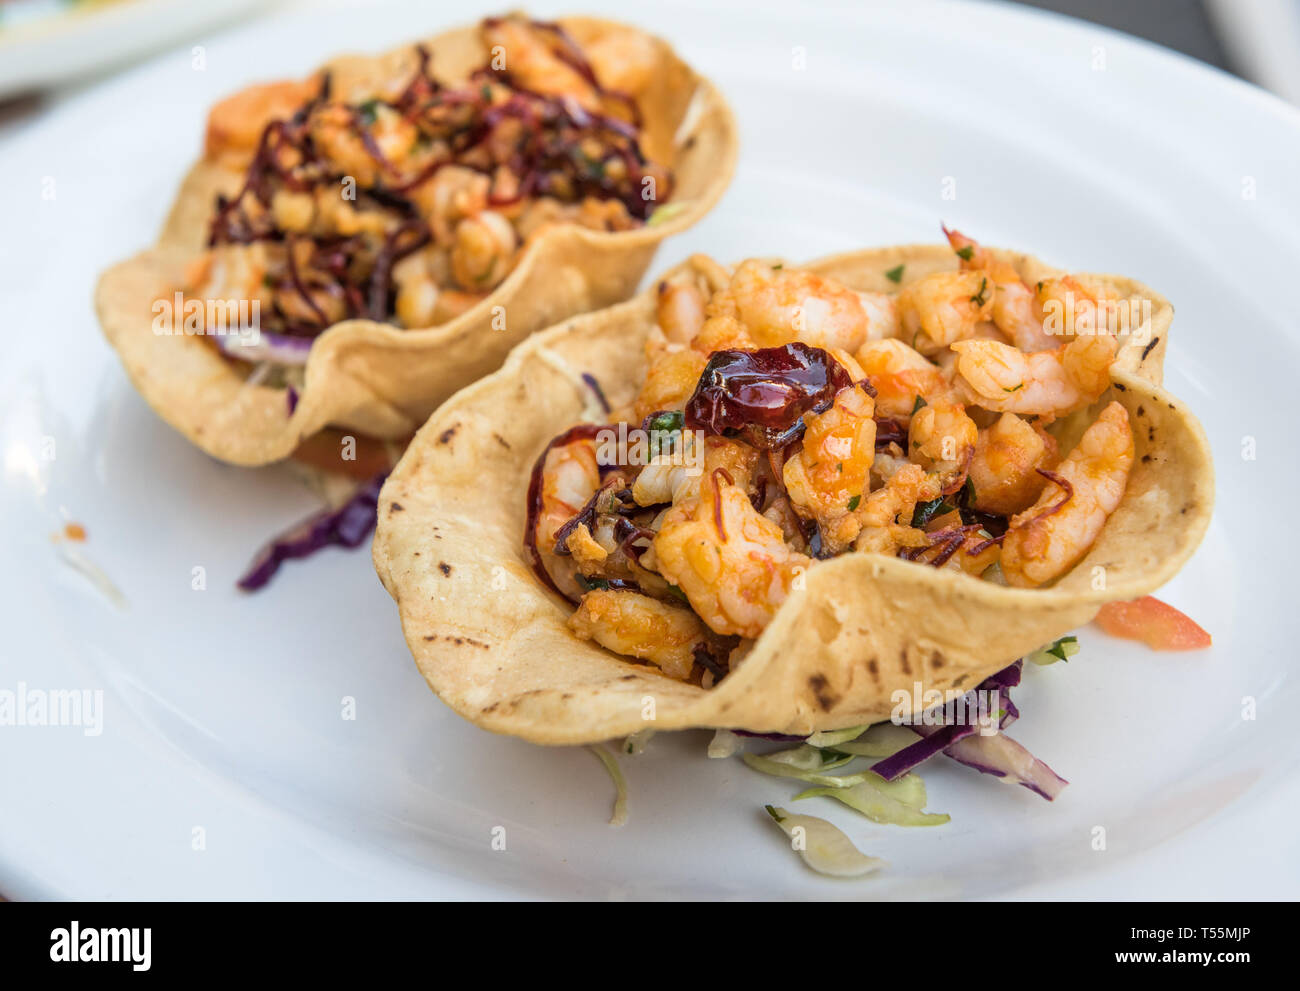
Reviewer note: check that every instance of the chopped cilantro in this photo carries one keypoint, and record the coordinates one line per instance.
(926, 511)
(853, 503)
(918, 405)
(895, 274)
(669, 422)
(979, 299)
(1060, 650)
(966, 253)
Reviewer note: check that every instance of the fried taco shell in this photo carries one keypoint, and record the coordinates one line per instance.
(493, 642)
(375, 378)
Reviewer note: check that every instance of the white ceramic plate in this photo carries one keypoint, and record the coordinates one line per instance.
(43, 42)
(222, 713)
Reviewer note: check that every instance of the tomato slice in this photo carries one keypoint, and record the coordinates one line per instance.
(1157, 624)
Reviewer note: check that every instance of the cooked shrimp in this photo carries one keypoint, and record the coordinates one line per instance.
(776, 307)
(977, 555)
(1047, 383)
(900, 375)
(235, 125)
(1067, 307)
(485, 246)
(527, 54)
(313, 302)
(675, 476)
(623, 60)
(231, 272)
(886, 512)
(944, 307)
(882, 315)
(896, 500)
(636, 625)
(680, 312)
(671, 377)
(417, 291)
(293, 212)
(713, 273)
(889, 539)
(570, 476)
(589, 554)
(1014, 309)
(454, 193)
(942, 439)
(335, 215)
(1087, 362)
(1004, 470)
(723, 332)
(611, 215)
(831, 473)
(334, 132)
(732, 563)
(1015, 313)
(671, 477)
(1042, 543)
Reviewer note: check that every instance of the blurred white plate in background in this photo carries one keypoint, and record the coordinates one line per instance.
(44, 42)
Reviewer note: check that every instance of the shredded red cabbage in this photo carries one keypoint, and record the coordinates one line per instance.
(958, 737)
(593, 384)
(934, 739)
(890, 432)
(347, 526)
(1003, 757)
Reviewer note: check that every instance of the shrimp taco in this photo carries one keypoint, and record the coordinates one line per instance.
(772, 498)
(355, 246)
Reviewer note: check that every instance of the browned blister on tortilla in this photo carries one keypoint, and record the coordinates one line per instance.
(493, 642)
(377, 379)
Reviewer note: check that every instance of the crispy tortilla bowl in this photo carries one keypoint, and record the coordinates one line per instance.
(375, 378)
(492, 640)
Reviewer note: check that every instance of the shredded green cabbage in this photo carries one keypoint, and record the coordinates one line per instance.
(830, 738)
(874, 800)
(900, 802)
(823, 846)
(783, 770)
(619, 815)
(880, 740)
(666, 213)
(725, 744)
(808, 758)
(636, 743)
